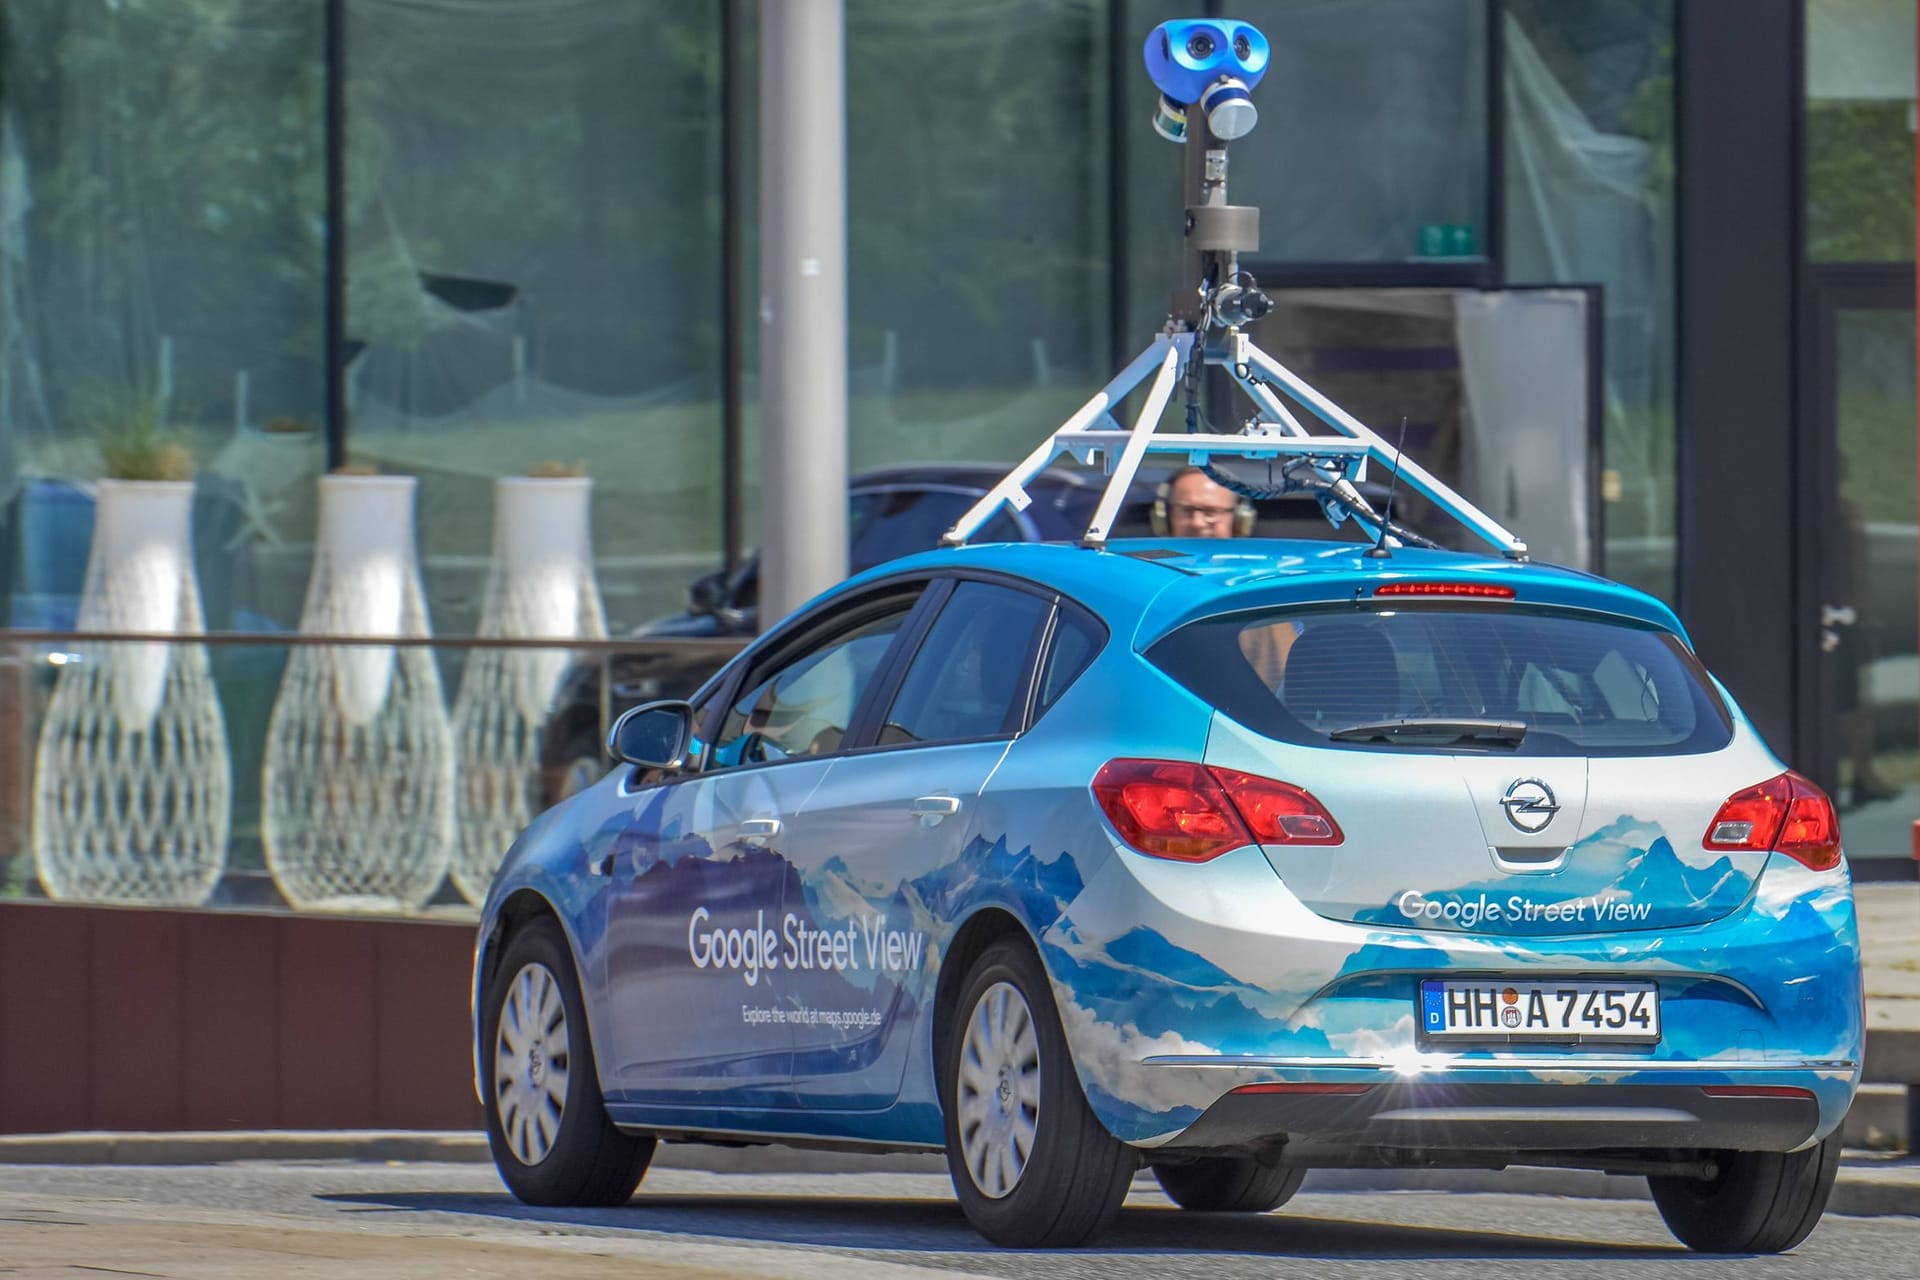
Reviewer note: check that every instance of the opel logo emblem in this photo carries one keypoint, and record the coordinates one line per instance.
(1530, 805)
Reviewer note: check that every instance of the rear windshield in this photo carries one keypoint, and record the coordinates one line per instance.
(1578, 685)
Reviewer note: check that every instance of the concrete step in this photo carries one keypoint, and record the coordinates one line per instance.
(1878, 1120)
(1884, 1116)
(1891, 1055)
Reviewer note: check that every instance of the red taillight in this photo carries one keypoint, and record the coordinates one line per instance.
(1169, 809)
(1176, 809)
(1277, 812)
(1787, 814)
(1478, 590)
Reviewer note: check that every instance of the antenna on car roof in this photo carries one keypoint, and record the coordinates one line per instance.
(1378, 551)
(1206, 70)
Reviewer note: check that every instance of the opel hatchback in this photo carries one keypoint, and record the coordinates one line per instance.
(1225, 859)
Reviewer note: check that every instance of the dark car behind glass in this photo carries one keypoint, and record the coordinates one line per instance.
(893, 511)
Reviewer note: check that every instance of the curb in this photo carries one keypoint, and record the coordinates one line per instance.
(1869, 1185)
(225, 1148)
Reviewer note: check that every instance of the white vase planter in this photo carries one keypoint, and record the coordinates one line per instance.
(540, 586)
(132, 779)
(357, 785)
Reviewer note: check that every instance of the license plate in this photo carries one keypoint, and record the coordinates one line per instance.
(1507, 1011)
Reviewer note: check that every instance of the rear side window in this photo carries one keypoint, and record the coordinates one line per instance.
(969, 679)
(1578, 685)
(1075, 641)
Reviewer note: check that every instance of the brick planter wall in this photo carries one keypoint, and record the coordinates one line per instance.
(135, 1019)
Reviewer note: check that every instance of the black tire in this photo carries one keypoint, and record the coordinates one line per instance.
(552, 1146)
(1228, 1184)
(1074, 1175)
(1762, 1202)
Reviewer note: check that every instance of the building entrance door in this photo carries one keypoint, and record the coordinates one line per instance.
(1861, 673)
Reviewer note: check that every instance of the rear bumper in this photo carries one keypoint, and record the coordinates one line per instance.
(1171, 998)
(1513, 1118)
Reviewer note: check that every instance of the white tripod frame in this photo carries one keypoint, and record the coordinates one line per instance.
(1094, 437)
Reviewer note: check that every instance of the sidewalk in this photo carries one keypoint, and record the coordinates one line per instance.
(1871, 1183)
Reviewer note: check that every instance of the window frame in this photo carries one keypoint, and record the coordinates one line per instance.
(800, 638)
(1064, 611)
(1703, 688)
(864, 734)
(1019, 709)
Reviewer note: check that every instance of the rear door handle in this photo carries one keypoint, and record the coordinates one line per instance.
(930, 809)
(760, 828)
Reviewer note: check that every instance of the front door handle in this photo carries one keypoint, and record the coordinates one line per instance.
(600, 864)
(759, 830)
(931, 809)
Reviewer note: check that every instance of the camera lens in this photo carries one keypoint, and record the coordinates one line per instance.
(1200, 45)
(1242, 47)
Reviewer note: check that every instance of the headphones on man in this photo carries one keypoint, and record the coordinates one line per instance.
(1243, 513)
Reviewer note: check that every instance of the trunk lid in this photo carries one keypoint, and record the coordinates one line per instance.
(1592, 846)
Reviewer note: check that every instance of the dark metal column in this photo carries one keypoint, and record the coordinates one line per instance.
(1737, 97)
(733, 210)
(334, 343)
(1122, 65)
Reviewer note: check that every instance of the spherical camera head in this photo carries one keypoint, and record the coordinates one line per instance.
(1214, 63)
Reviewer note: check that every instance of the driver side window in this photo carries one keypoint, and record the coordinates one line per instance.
(804, 706)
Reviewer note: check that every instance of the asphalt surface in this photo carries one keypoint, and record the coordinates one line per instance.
(379, 1206)
(386, 1221)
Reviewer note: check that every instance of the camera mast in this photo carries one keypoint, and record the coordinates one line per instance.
(1206, 71)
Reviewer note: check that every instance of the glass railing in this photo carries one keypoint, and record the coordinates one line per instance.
(293, 773)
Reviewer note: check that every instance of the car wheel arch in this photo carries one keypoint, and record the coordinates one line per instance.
(980, 930)
(521, 908)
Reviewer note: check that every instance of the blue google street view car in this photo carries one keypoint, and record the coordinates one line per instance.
(1228, 859)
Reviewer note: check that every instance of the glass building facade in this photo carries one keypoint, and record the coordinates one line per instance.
(1468, 220)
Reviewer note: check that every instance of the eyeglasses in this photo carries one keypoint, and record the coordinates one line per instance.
(1192, 512)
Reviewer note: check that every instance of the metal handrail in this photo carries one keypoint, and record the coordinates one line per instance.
(295, 639)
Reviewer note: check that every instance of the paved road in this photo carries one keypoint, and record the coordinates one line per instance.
(383, 1222)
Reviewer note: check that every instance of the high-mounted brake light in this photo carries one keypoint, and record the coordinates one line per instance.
(1787, 814)
(1192, 813)
(1475, 590)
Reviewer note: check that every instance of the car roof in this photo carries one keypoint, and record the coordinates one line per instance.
(1152, 586)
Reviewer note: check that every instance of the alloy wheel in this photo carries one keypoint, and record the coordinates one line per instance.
(998, 1100)
(530, 1063)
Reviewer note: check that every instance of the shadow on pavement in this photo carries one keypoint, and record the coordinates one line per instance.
(891, 1226)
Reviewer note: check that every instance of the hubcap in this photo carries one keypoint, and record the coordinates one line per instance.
(998, 1100)
(530, 1063)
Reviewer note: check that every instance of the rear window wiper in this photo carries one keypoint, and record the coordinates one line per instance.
(1434, 733)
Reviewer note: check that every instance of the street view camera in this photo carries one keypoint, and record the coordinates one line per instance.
(1206, 70)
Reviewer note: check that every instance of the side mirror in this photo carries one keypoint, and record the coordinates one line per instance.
(708, 593)
(654, 736)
